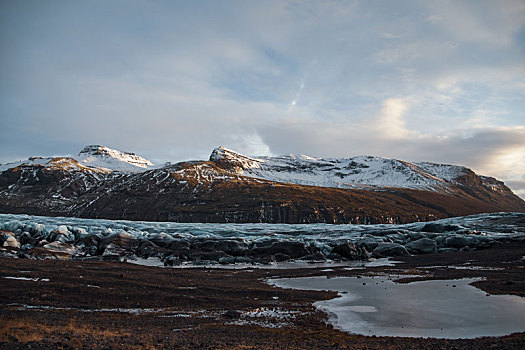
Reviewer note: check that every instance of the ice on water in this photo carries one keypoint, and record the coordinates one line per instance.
(439, 309)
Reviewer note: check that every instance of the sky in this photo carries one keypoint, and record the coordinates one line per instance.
(440, 81)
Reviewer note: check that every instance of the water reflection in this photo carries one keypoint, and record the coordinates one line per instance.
(439, 309)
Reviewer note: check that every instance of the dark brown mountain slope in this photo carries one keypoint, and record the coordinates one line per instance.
(207, 192)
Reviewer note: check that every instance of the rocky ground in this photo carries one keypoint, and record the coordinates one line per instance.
(97, 304)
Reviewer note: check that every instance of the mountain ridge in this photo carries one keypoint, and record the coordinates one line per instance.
(350, 171)
(231, 187)
(355, 172)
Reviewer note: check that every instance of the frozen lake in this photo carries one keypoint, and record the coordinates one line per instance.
(438, 309)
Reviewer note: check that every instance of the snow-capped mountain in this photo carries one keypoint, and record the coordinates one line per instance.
(97, 156)
(103, 183)
(355, 172)
(64, 163)
(91, 158)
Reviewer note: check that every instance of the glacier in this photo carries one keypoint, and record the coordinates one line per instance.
(175, 243)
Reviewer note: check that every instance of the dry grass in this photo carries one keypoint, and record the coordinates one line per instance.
(28, 330)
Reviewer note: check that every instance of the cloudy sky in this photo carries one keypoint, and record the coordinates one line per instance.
(440, 81)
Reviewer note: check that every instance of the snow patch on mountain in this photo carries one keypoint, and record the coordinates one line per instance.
(444, 171)
(32, 161)
(355, 172)
(103, 157)
(61, 163)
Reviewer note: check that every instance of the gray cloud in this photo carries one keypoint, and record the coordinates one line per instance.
(518, 186)
(437, 81)
(492, 151)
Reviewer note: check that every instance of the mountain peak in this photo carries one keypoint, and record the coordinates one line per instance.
(97, 150)
(104, 157)
(227, 158)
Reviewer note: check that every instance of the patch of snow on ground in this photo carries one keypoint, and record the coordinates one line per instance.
(27, 279)
(268, 318)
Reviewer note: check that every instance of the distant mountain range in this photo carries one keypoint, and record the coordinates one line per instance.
(103, 183)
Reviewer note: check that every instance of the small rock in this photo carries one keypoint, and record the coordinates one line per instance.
(227, 260)
(232, 314)
(162, 239)
(11, 242)
(172, 261)
(281, 257)
(440, 228)
(384, 250)
(351, 251)
(313, 257)
(422, 246)
(291, 248)
(243, 259)
(370, 245)
(447, 250)
(458, 241)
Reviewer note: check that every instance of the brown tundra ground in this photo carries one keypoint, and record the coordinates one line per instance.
(82, 304)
